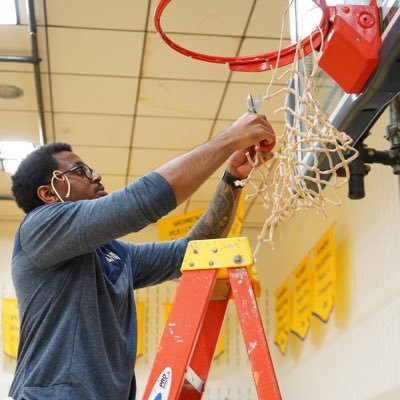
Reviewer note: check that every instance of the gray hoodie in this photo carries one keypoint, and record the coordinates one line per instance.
(74, 283)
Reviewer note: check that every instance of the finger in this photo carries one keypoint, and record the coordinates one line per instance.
(266, 145)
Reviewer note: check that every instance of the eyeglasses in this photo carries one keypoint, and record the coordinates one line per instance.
(80, 169)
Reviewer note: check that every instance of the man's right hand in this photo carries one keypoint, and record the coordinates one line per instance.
(188, 172)
(249, 129)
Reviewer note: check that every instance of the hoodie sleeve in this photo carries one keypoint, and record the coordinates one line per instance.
(52, 234)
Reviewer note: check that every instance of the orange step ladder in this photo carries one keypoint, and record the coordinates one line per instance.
(213, 271)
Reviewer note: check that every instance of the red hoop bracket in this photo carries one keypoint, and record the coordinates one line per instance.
(254, 63)
(350, 52)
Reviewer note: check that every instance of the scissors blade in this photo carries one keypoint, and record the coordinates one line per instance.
(253, 106)
(250, 103)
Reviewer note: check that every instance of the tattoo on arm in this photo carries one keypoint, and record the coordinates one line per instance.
(217, 219)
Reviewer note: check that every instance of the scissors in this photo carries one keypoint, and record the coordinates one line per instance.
(253, 107)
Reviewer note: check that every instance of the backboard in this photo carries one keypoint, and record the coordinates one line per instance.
(355, 114)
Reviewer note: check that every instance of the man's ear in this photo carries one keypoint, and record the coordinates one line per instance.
(47, 194)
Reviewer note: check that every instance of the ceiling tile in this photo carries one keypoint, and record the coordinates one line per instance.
(88, 129)
(266, 20)
(26, 82)
(96, 52)
(179, 98)
(49, 127)
(107, 95)
(205, 17)
(19, 125)
(15, 67)
(15, 40)
(42, 49)
(121, 15)
(45, 86)
(170, 133)
(145, 160)
(162, 61)
(104, 160)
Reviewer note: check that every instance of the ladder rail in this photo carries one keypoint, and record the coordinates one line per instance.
(254, 335)
(180, 333)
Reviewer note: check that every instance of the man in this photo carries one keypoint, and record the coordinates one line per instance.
(75, 282)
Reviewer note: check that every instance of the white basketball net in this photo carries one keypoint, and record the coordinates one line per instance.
(297, 182)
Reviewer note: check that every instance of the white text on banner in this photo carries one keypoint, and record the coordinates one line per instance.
(324, 276)
(302, 298)
(283, 316)
(10, 324)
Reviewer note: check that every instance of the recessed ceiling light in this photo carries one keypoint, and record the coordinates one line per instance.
(11, 154)
(10, 92)
(8, 12)
(15, 150)
(10, 166)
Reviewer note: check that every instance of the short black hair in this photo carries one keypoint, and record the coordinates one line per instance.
(36, 169)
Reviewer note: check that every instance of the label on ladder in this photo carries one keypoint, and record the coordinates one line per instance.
(194, 379)
(162, 386)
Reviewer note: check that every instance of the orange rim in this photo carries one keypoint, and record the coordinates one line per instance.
(253, 63)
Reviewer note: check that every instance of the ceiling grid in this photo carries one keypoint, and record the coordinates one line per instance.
(120, 96)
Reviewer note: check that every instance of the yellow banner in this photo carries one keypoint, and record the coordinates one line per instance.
(237, 224)
(171, 228)
(140, 315)
(221, 340)
(220, 348)
(283, 316)
(324, 276)
(167, 310)
(302, 299)
(10, 324)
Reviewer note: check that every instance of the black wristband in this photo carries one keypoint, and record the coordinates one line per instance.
(230, 180)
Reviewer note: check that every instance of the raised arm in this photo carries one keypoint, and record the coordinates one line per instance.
(216, 222)
(187, 173)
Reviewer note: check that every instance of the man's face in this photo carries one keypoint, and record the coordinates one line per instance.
(82, 187)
